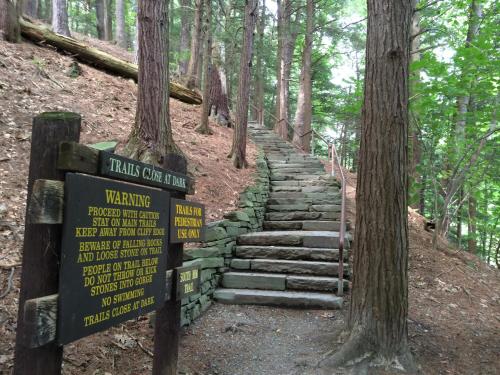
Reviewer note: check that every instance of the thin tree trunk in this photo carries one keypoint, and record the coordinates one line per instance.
(238, 156)
(184, 38)
(100, 11)
(471, 240)
(31, 8)
(303, 114)
(151, 137)
(259, 73)
(60, 17)
(379, 304)
(192, 69)
(10, 11)
(279, 52)
(108, 18)
(204, 128)
(121, 33)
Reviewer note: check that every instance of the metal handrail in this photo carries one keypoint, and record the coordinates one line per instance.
(332, 152)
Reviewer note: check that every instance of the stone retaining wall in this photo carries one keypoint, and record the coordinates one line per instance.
(214, 255)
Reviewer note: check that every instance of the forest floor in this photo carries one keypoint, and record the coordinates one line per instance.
(454, 298)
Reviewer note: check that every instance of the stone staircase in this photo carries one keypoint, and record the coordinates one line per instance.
(294, 261)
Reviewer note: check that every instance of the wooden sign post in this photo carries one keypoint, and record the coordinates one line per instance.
(98, 247)
(40, 273)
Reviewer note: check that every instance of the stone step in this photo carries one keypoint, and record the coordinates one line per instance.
(322, 239)
(276, 165)
(301, 215)
(296, 177)
(287, 253)
(278, 298)
(303, 207)
(303, 183)
(302, 267)
(332, 199)
(335, 193)
(277, 281)
(303, 225)
(309, 188)
(296, 170)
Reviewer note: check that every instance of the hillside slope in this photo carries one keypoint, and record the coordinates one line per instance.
(34, 79)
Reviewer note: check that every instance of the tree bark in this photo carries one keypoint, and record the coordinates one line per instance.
(259, 73)
(379, 304)
(303, 114)
(31, 8)
(203, 128)
(60, 17)
(184, 38)
(121, 32)
(99, 59)
(471, 235)
(279, 52)
(108, 17)
(100, 11)
(151, 137)
(192, 69)
(238, 155)
(10, 11)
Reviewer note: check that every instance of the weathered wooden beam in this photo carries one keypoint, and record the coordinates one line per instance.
(77, 157)
(47, 201)
(40, 316)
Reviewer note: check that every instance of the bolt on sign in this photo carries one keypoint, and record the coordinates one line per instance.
(113, 254)
(187, 220)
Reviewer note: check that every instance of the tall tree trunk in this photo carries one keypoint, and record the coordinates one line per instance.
(379, 304)
(121, 32)
(100, 11)
(192, 69)
(60, 17)
(151, 137)
(259, 73)
(303, 114)
(471, 235)
(31, 8)
(288, 44)
(184, 38)
(108, 20)
(279, 52)
(238, 155)
(10, 11)
(207, 71)
(463, 105)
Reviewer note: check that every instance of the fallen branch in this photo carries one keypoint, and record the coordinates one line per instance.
(97, 58)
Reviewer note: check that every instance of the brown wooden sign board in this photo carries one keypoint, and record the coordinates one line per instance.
(187, 221)
(116, 166)
(188, 281)
(113, 254)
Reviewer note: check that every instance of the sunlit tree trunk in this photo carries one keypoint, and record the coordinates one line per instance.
(379, 304)
(471, 240)
(60, 17)
(238, 154)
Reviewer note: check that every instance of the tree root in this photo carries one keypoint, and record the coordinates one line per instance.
(203, 130)
(357, 357)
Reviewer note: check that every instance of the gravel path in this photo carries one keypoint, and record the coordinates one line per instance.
(254, 340)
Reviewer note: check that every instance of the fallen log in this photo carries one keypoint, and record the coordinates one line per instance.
(97, 58)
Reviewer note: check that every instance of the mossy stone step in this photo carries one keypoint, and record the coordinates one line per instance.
(303, 225)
